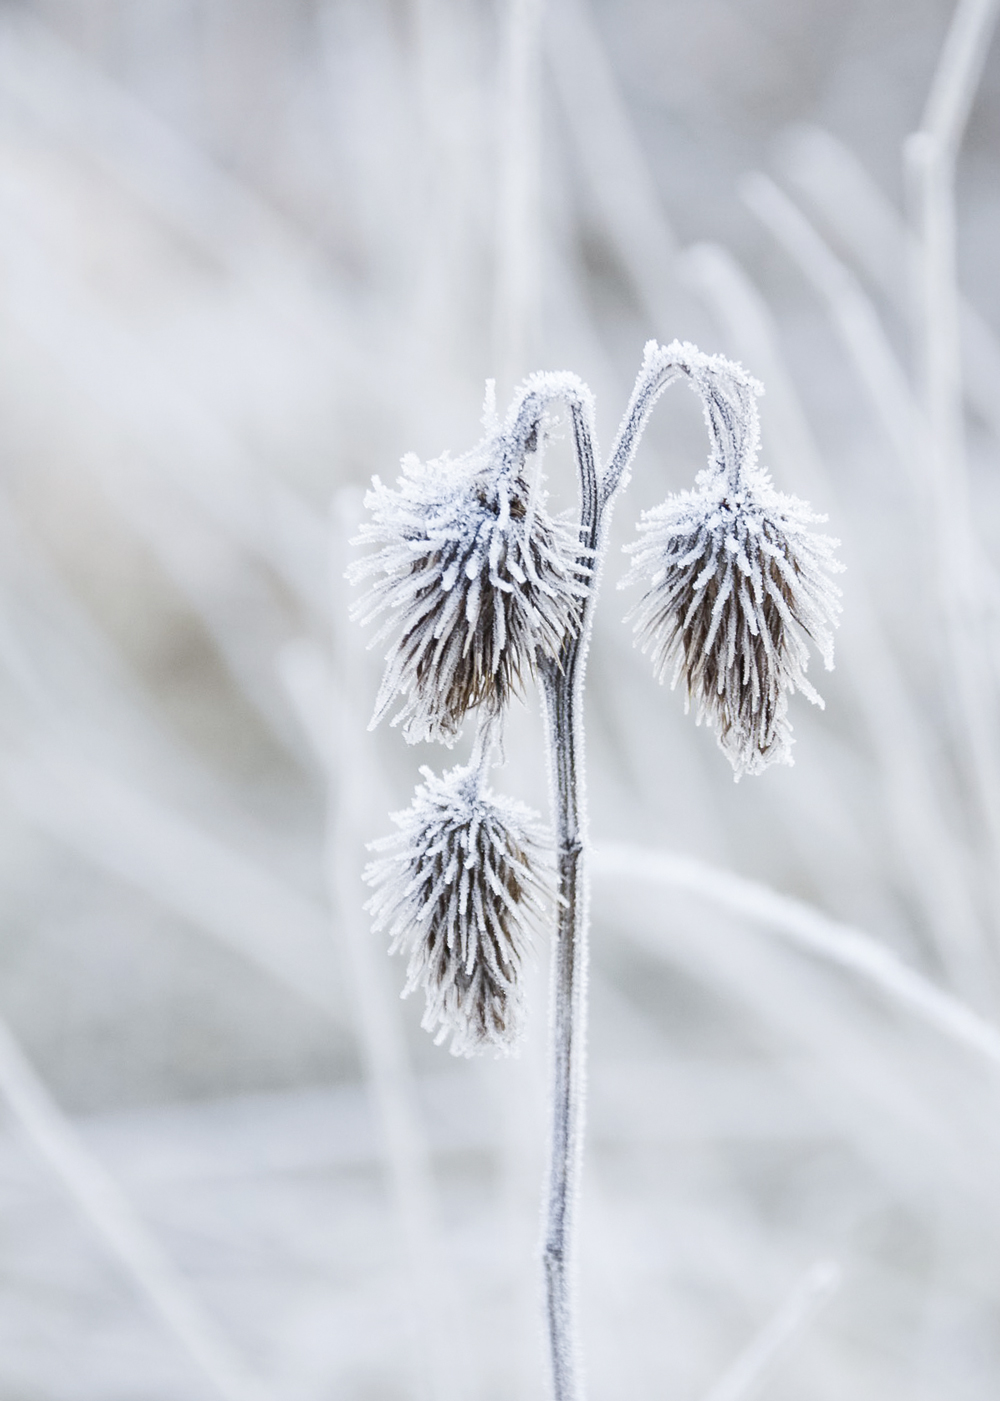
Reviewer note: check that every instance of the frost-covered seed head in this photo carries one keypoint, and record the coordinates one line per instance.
(735, 582)
(474, 576)
(458, 887)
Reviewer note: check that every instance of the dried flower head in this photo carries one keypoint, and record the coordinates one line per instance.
(459, 886)
(474, 575)
(735, 582)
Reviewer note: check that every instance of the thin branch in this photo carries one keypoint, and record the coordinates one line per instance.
(653, 379)
(661, 366)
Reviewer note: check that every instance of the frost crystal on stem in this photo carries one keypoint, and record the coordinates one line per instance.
(459, 886)
(475, 576)
(482, 585)
(735, 582)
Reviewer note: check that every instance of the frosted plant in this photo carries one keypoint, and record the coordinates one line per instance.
(482, 587)
(458, 886)
(476, 578)
(735, 582)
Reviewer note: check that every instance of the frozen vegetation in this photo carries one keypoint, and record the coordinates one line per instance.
(253, 254)
(485, 587)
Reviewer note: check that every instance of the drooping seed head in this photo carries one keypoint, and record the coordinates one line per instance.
(735, 582)
(458, 887)
(474, 576)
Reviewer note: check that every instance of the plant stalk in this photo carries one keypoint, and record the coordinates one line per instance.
(562, 689)
(569, 1029)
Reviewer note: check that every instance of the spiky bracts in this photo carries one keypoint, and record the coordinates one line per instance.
(458, 887)
(735, 582)
(474, 576)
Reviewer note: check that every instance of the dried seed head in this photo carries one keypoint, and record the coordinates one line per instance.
(474, 575)
(458, 886)
(735, 582)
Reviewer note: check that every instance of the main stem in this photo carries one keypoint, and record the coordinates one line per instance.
(562, 688)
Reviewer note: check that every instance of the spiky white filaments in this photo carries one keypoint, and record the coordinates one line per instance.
(474, 575)
(735, 583)
(459, 887)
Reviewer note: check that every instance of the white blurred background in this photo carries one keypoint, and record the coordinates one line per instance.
(251, 251)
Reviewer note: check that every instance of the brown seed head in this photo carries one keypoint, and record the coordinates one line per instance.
(459, 887)
(735, 583)
(475, 577)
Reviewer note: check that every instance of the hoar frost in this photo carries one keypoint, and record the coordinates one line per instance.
(478, 584)
(475, 576)
(735, 582)
(458, 886)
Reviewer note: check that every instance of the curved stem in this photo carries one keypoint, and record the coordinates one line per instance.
(715, 380)
(562, 689)
(651, 383)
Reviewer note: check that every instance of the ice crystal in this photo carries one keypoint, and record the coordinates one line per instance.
(458, 887)
(474, 576)
(735, 582)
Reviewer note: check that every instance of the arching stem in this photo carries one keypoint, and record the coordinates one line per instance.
(562, 691)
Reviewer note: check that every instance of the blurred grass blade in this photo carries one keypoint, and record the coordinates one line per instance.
(930, 156)
(958, 72)
(129, 834)
(518, 276)
(121, 1230)
(810, 930)
(853, 315)
(912, 782)
(748, 1372)
(354, 791)
(611, 158)
(837, 185)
